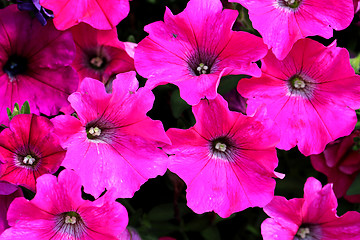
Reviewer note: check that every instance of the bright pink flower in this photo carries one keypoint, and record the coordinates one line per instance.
(195, 48)
(8, 193)
(29, 149)
(307, 94)
(114, 144)
(310, 218)
(99, 53)
(58, 212)
(282, 22)
(103, 15)
(341, 164)
(226, 159)
(34, 64)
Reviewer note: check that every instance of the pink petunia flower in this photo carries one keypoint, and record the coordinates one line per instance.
(34, 64)
(307, 94)
(113, 143)
(341, 164)
(283, 22)
(103, 15)
(58, 212)
(310, 218)
(226, 159)
(195, 48)
(8, 192)
(29, 149)
(99, 53)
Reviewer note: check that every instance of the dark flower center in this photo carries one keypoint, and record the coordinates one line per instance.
(98, 62)
(308, 232)
(93, 132)
(15, 65)
(222, 147)
(201, 62)
(299, 84)
(100, 130)
(293, 4)
(27, 159)
(70, 223)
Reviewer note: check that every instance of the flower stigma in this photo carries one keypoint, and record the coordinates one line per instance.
(220, 146)
(97, 62)
(94, 131)
(293, 4)
(202, 68)
(70, 219)
(29, 160)
(298, 83)
(303, 232)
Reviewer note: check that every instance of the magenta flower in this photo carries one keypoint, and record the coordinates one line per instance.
(34, 64)
(8, 193)
(188, 51)
(103, 15)
(226, 159)
(113, 143)
(307, 94)
(99, 53)
(283, 22)
(59, 212)
(341, 164)
(29, 149)
(310, 218)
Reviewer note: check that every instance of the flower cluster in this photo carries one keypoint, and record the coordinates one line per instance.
(92, 129)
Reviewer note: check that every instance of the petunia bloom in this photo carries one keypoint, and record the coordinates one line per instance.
(8, 192)
(307, 94)
(189, 51)
(58, 212)
(283, 22)
(103, 15)
(99, 53)
(29, 149)
(310, 218)
(113, 143)
(34, 64)
(226, 159)
(340, 162)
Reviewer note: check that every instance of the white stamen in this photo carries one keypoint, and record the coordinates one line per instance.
(220, 146)
(97, 61)
(95, 131)
(202, 68)
(302, 232)
(29, 160)
(290, 1)
(298, 83)
(71, 220)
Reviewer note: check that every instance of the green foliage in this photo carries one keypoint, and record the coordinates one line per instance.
(355, 63)
(355, 187)
(25, 109)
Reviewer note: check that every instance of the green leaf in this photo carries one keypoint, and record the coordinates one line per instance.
(355, 63)
(178, 105)
(25, 108)
(211, 233)
(163, 212)
(355, 187)
(228, 83)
